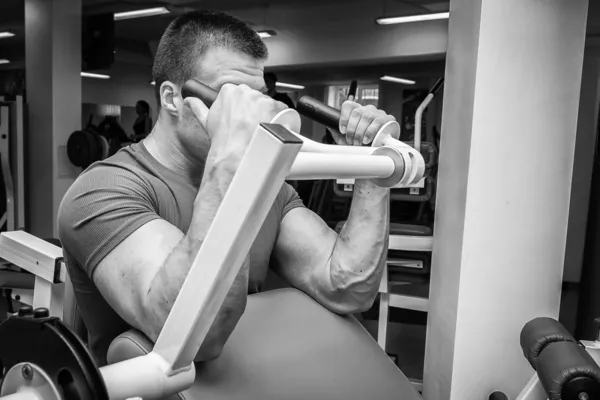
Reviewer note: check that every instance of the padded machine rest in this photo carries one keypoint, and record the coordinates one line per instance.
(538, 333)
(288, 347)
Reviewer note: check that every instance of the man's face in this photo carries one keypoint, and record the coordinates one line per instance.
(218, 67)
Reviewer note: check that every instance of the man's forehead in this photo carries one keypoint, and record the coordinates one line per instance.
(219, 60)
(220, 66)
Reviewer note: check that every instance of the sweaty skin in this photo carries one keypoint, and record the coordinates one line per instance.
(142, 276)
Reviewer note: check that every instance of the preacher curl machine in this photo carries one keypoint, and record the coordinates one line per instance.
(41, 359)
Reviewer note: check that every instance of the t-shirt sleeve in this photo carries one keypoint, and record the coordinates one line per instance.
(105, 205)
(289, 199)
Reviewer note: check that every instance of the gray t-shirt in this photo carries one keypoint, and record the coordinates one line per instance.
(115, 197)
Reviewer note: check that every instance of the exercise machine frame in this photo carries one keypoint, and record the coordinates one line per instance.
(271, 157)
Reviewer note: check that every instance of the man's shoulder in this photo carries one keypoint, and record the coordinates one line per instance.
(115, 176)
(126, 162)
(105, 173)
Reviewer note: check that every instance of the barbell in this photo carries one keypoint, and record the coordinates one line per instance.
(388, 162)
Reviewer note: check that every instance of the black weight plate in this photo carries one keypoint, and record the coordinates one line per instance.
(84, 148)
(49, 344)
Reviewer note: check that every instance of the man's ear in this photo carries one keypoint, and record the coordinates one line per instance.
(170, 98)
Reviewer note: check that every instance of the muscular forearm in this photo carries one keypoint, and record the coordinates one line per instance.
(169, 279)
(356, 264)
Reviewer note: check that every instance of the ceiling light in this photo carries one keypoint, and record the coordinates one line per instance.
(266, 34)
(153, 83)
(148, 12)
(4, 35)
(397, 80)
(3, 61)
(97, 76)
(412, 18)
(289, 86)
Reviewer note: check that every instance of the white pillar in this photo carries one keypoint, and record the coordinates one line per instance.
(513, 76)
(53, 65)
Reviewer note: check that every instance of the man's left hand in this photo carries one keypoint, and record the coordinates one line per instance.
(359, 124)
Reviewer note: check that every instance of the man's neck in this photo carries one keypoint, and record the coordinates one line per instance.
(163, 145)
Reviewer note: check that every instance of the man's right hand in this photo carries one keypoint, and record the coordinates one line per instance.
(233, 119)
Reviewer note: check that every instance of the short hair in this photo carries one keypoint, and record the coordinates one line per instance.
(144, 104)
(190, 35)
(270, 76)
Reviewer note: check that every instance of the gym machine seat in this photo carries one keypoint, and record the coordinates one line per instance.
(288, 347)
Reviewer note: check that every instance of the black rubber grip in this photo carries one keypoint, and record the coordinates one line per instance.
(194, 88)
(436, 88)
(538, 333)
(352, 90)
(566, 370)
(307, 106)
(319, 112)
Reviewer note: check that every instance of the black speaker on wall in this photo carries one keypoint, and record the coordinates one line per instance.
(98, 41)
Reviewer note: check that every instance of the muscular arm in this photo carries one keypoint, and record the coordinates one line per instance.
(143, 275)
(342, 272)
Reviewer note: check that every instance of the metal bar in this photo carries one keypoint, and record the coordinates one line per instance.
(330, 166)
(169, 367)
(411, 243)
(419, 120)
(249, 198)
(34, 255)
(409, 302)
(5, 163)
(18, 133)
(384, 309)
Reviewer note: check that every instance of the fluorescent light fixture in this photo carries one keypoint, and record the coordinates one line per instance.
(289, 86)
(97, 76)
(397, 80)
(4, 35)
(147, 12)
(4, 61)
(266, 34)
(412, 18)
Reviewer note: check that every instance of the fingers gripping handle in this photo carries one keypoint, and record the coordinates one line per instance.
(411, 165)
(307, 106)
(193, 88)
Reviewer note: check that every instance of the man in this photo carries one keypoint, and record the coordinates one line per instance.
(271, 83)
(131, 225)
